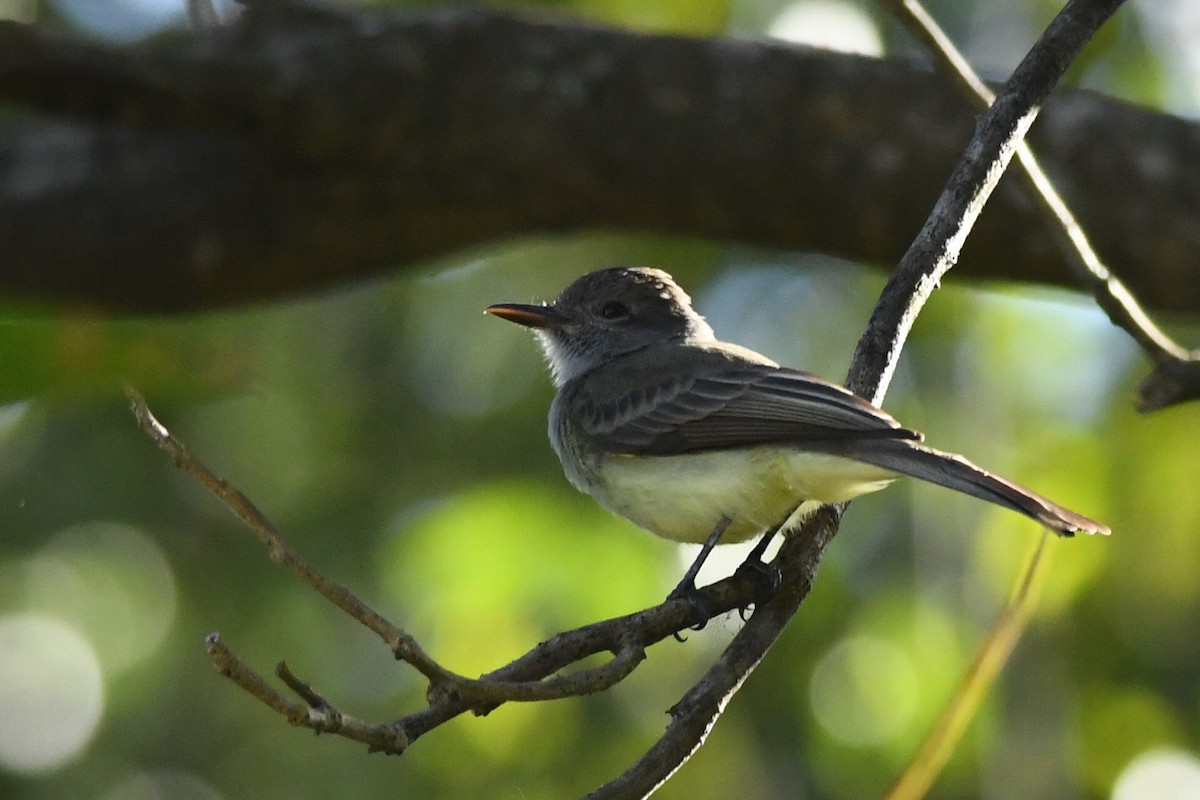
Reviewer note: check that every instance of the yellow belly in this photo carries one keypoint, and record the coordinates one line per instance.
(684, 497)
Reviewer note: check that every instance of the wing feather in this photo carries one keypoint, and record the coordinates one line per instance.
(725, 402)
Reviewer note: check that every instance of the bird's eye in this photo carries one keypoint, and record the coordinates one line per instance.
(614, 311)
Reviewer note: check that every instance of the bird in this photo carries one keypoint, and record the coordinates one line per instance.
(699, 440)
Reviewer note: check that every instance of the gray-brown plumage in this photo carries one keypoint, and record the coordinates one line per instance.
(666, 425)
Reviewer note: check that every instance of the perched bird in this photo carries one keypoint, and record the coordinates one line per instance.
(699, 440)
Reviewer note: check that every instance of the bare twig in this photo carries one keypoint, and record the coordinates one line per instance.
(921, 772)
(648, 626)
(304, 690)
(529, 678)
(1176, 377)
(319, 716)
(400, 642)
(697, 711)
(232, 667)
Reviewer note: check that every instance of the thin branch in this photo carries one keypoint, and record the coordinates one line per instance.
(228, 664)
(960, 709)
(648, 626)
(304, 690)
(1176, 377)
(403, 645)
(937, 247)
(529, 678)
(321, 717)
(400, 642)
(697, 711)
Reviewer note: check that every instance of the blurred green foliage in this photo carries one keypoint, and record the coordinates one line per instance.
(396, 436)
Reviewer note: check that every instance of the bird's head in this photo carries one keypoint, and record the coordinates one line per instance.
(607, 314)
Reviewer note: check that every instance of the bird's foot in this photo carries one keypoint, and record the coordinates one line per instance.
(764, 577)
(701, 609)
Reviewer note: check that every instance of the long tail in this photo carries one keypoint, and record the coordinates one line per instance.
(955, 472)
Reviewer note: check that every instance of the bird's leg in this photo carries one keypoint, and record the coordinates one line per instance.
(687, 584)
(755, 556)
(686, 588)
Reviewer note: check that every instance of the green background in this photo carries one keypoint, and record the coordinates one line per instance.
(396, 436)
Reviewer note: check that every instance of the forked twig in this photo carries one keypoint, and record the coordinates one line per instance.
(315, 713)
(531, 677)
(400, 642)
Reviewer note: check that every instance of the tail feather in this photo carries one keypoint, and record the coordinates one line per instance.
(955, 472)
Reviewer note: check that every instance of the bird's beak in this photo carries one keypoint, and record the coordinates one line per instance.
(529, 316)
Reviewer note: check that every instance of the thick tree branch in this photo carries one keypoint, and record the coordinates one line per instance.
(308, 147)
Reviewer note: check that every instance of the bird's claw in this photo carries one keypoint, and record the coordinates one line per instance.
(765, 578)
(701, 609)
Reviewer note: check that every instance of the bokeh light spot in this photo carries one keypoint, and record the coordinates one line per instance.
(11, 415)
(51, 691)
(124, 21)
(20, 431)
(1160, 774)
(831, 24)
(110, 581)
(864, 691)
(166, 784)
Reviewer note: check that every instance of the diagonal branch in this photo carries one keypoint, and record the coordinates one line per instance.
(1176, 377)
(399, 641)
(314, 714)
(697, 711)
(934, 252)
(936, 249)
